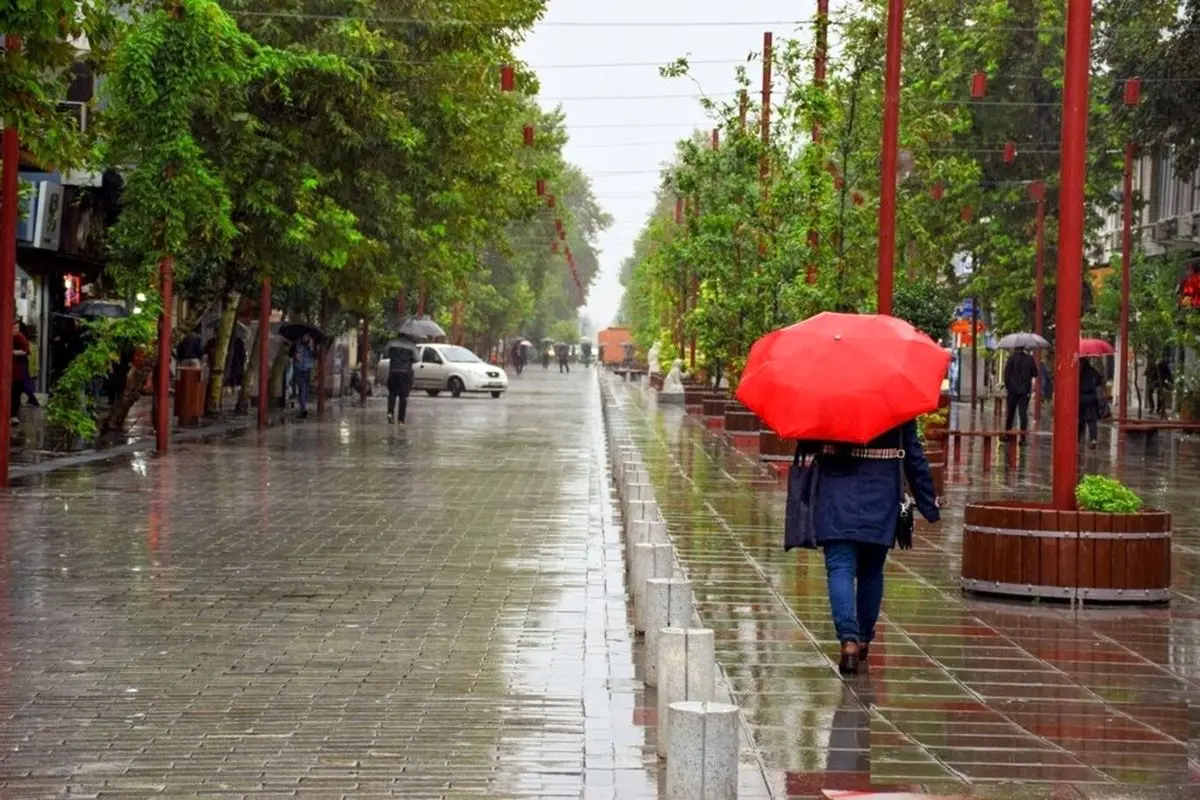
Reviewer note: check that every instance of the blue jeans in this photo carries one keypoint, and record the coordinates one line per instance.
(301, 377)
(855, 573)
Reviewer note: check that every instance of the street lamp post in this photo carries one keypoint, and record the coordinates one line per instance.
(11, 152)
(1132, 96)
(891, 152)
(1037, 190)
(1070, 253)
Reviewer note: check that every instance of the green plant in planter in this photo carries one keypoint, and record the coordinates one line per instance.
(1106, 495)
(932, 419)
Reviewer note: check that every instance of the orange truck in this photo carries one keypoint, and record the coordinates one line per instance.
(612, 343)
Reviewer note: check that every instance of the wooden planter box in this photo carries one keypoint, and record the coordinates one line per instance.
(1027, 550)
(656, 381)
(773, 447)
(741, 420)
(694, 394)
(939, 477)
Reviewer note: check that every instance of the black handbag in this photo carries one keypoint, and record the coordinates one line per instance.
(798, 527)
(907, 516)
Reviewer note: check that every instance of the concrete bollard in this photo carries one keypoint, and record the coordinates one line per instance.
(687, 670)
(650, 560)
(668, 604)
(635, 491)
(656, 531)
(641, 511)
(702, 754)
(635, 533)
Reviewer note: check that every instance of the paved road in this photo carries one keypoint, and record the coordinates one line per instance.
(348, 609)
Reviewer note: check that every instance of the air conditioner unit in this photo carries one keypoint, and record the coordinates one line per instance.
(76, 112)
(1166, 230)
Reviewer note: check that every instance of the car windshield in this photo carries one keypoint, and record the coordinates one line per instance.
(459, 355)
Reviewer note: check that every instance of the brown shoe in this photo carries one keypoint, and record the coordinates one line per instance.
(850, 657)
(863, 651)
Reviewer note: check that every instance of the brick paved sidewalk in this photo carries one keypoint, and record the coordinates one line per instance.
(350, 610)
(962, 695)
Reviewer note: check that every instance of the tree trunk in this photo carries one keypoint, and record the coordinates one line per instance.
(216, 380)
(243, 398)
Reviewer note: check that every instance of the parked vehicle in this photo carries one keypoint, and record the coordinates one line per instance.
(449, 368)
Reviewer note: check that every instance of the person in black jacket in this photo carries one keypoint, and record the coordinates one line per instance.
(402, 354)
(1091, 384)
(1019, 373)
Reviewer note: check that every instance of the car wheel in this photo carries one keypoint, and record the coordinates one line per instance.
(456, 387)
(433, 392)
(497, 395)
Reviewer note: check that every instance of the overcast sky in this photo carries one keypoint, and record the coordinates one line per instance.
(600, 61)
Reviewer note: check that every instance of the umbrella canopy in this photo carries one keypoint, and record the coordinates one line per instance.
(1093, 348)
(843, 377)
(421, 328)
(295, 331)
(525, 343)
(547, 340)
(1030, 341)
(96, 309)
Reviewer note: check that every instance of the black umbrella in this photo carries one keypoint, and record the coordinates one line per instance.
(295, 331)
(97, 309)
(419, 328)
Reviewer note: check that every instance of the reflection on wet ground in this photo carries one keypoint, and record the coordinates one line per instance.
(343, 608)
(963, 695)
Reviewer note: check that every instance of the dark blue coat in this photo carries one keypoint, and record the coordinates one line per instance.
(858, 500)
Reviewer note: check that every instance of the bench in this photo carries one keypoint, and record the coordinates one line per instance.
(988, 437)
(1151, 427)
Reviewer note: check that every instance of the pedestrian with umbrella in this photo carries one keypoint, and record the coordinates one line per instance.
(849, 388)
(402, 355)
(1019, 373)
(563, 353)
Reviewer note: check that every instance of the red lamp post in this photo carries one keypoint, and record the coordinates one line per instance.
(11, 152)
(162, 378)
(891, 154)
(1070, 253)
(1133, 95)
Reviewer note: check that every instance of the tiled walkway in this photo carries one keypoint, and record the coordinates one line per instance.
(347, 609)
(963, 695)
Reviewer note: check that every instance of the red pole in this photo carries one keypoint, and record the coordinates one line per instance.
(1038, 190)
(716, 139)
(162, 379)
(264, 339)
(1070, 252)
(891, 152)
(11, 151)
(764, 163)
(819, 58)
(1126, 272)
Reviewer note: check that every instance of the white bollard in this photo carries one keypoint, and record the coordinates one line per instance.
(656, 530)
(650, 560)
(702, 755)
(687, 670)
(636, 491)
(668, 604)
(635, 534)
(641, 511)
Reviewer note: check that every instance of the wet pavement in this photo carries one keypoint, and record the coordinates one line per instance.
(963, 695)
(345, 608)
(342, 608)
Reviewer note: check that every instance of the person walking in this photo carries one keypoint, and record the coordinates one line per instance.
(401, 357)
(31, 364)
(20, 364)
(564, 354)
(856, 504)
(1091, 384)
(1019, 373)
(303, 362)
(518, 357)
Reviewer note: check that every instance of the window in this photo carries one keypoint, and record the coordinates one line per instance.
(430, 356)
(460, 355)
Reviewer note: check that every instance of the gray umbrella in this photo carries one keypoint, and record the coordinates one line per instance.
(419, 328)
(1030, 341)
(95, 309)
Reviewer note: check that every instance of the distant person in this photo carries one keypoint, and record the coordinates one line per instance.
(20, 362)
(564, 359)
(518, 357)
(1091, 386)
(190, 351)
(1019, 373)
(235, 363)
(1046, 381)
(401, 357)
(546, 356)
(31, 364)
(303, 361)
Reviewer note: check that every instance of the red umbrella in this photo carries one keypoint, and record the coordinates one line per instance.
(842, 377)
(1094, 348)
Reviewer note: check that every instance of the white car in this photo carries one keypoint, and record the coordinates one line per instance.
(449, 368)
